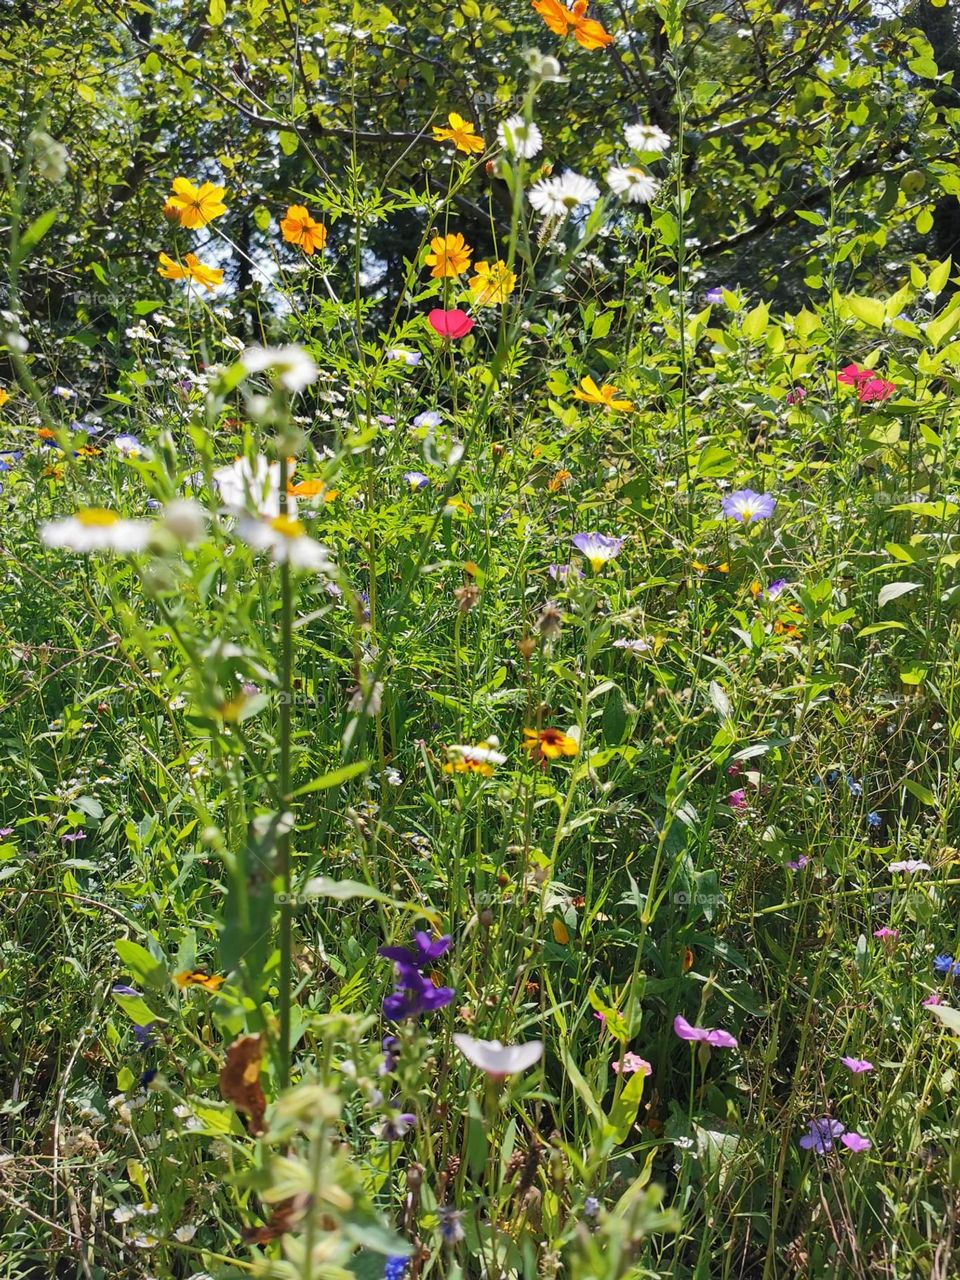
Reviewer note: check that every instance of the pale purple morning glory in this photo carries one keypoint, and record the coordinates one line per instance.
(821, 1135)
(408, 357)
(714, 296)
(857, 1065)
(746, 506)
(799, 864)
(430, 418)
(909, 865)
(71, 837)
(597, 547)
(775, 588)
(561, 572)
(5, 831)
(706, 1035)
(416, 479)
(856, 1142)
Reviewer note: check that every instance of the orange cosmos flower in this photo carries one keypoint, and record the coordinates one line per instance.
(461, 133)
(549, 744)
(587, 32)
(192, 206)
(589, 392)
(559, 480)
(312, 489)
(492, 285)
(192, 269)
(300, 228)
(449, 256)
(197, 978)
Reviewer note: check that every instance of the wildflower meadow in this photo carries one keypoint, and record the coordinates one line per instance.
(479, 640)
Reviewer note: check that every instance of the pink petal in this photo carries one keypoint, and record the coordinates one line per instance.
(450, 324)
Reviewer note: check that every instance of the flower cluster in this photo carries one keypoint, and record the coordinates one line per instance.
(415, 992)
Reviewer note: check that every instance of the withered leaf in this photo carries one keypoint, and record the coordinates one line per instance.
(282, 1220)
(240, 1080)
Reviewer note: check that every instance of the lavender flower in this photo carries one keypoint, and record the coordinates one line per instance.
(706, 1035)
(416, 479)
(597, 547)
(857, 1065)
(856, 1142)
(746, 506)
(821, 1135)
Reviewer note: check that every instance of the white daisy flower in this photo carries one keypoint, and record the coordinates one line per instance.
(286, 540)
(646, 137)
(633, 185)
(496, 1059)
(519, 137)
(483, 753)
(556, 197)
(185, 1233)
(94, 529)
(295, 369)
(256, 485)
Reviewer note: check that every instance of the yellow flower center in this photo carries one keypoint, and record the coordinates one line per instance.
(287, 527)
(97, 517)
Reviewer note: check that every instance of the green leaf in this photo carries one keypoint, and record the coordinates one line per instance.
(334, 779)
(870, 310)
(755, 321)
(140, 964)
(343, 890)
(920, 792)
(216, 12)
(38, 229)
(949, 1017)
(136, 1009)
(894, 590)
(623, 1114)
(939, 275)
(288, 142)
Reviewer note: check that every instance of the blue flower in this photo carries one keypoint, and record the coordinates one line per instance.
(395, 1268)
(746, 505)
(821, 1135)
(874, 820)
(853, 786)
(947, 966)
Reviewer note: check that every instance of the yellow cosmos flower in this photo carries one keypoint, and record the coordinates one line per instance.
(194, 206)
(492, 285)
(4, 397)
(549, 744)
(461, 133)
(311, 489)
(449, 256)
(192, 269)
(300, 227)
(590, 393)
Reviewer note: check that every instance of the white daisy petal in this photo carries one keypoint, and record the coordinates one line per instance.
(520, 137)
(94, 529)
(631, 184)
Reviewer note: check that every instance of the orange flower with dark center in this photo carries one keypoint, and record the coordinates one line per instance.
(197, 978)
(549, 744)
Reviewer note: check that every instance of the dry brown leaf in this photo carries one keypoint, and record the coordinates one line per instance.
(240, 1080)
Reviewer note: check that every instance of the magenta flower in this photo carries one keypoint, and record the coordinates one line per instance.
(705, 1035)
(885, 933)
(746, 506)
(874, 390)
(737, 799)
(856, 1142)
(799, 863)
(857, 1065)
(932, 999)
(797, 395)
(450, 324)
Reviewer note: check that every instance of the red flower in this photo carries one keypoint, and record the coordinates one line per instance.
(450, 324)
(852, 375)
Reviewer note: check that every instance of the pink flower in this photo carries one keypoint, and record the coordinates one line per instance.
(632, 1062)
(707, 1035)
(886, 933)
(450, 324)
(797, 395)
(734, 770)
(857, 1065)
(875, 389)
(852, 375)
(932, 999)
(856, 1142)
(737, 799)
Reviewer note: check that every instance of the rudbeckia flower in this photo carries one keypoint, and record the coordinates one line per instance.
(450, 324)
(287, 542)
(192, 206)
(192, 269)
(461, 133)
(299, 227)
(597, 547)
(590, 393)
(587, 32)
(196, 978)
(95, 529)
(549, 744)
(492, 285)
(449, 256)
